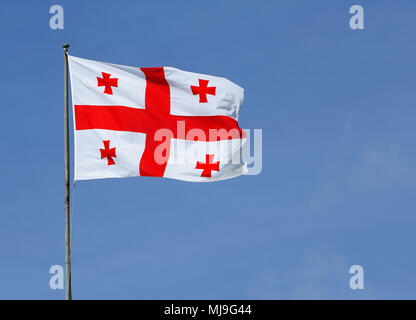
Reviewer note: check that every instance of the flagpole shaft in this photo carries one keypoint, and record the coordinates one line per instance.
(68, 289)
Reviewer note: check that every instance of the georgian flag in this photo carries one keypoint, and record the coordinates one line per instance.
(159, 122)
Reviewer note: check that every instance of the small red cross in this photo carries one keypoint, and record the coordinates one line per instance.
(107, 82)
(208, 166)
(203, 90)
(108, 153)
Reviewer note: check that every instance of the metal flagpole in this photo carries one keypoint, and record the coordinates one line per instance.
(68, 290)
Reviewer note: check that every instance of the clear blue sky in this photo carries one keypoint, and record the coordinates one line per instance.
(337, 108)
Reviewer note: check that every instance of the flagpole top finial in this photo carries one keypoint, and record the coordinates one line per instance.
(65, 45)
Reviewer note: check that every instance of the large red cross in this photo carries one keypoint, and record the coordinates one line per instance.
(156, 116)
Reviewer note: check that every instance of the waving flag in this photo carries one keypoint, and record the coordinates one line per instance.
(159, 122)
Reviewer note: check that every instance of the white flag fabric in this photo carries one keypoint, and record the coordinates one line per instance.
(160, 122)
